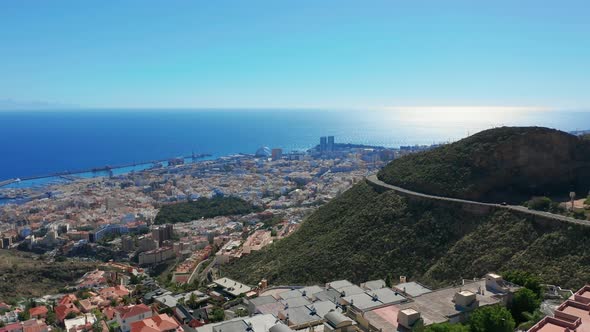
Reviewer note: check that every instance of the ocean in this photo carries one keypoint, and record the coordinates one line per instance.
(35, 143)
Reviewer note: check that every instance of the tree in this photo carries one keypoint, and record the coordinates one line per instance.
(524, 279)
(96, 326)
(134, 280)
(446, 327)
(540, 203)
(525, 300)
(50, 319)
(217, 315)
(242, 312)
(71, 315)
(192, 301)
(493, 318)
(388, 281)
(24, 315)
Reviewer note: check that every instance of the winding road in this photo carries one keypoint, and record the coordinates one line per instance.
(514, 208)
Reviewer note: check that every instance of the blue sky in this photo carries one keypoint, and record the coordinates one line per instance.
(327, 54)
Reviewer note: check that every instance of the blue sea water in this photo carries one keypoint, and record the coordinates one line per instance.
(36, 143)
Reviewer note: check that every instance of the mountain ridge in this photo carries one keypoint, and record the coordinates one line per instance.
(367, 233)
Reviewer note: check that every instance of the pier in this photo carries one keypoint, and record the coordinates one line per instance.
(7, 182)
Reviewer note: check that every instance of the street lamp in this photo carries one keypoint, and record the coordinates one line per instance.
(572, 197)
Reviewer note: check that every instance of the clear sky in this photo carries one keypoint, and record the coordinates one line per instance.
(303, 53)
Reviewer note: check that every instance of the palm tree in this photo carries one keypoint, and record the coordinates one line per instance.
(192, 301)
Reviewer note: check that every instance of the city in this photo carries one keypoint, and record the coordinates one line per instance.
(294, 166)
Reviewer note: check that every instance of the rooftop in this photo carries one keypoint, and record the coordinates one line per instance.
(412, 288)
(373, 284)
(258, 323)
(232, 287)
(384, 318)
(437, 306)
(374, 299)
(79, 321)
(301, 315)
(339, 284)
(158, 323)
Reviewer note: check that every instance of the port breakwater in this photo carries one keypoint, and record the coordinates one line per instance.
(71, 175)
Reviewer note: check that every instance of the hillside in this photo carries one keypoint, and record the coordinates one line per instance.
(504, 164)
(364, 234)
(203, 208)
(24, 275)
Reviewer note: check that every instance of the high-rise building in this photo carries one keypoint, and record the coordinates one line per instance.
(323, 144)
(330, 143)
(162, 233)
(145, 243)
(127, 243)
(277, 154)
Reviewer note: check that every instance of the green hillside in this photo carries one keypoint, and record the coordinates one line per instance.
(504, 164)
(365, 234)
(203, 208)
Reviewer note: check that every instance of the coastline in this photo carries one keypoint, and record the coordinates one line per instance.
(21, 183)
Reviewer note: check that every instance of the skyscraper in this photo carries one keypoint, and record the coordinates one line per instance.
(323, 144)
(162, 233)
(330, 143)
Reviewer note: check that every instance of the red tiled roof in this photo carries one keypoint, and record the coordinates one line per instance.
(62, 310)
(33, 325)
(12, 327)
(159, 323)
(38, 311)
(133, 310)
(68, 298)
(109, 313)
(114, 292)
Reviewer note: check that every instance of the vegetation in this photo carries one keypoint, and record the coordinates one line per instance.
(20, 270)
(531, 319)
(365, 234)
(491, 319)
(524, 279)
(203, 208)
(446, 327)
(504, 164)
(485, 319)
(216, 315)
(525, 300)
(540, 203)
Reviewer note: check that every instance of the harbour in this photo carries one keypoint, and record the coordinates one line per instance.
(107, 170)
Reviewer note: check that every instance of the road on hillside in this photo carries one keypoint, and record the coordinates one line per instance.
(518, 208)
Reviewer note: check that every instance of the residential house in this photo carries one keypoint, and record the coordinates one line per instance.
(158, 323)
(38, 312)
(35, 325)
(66, 306)
(83, 322)
(127, 315)
(114, 293)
